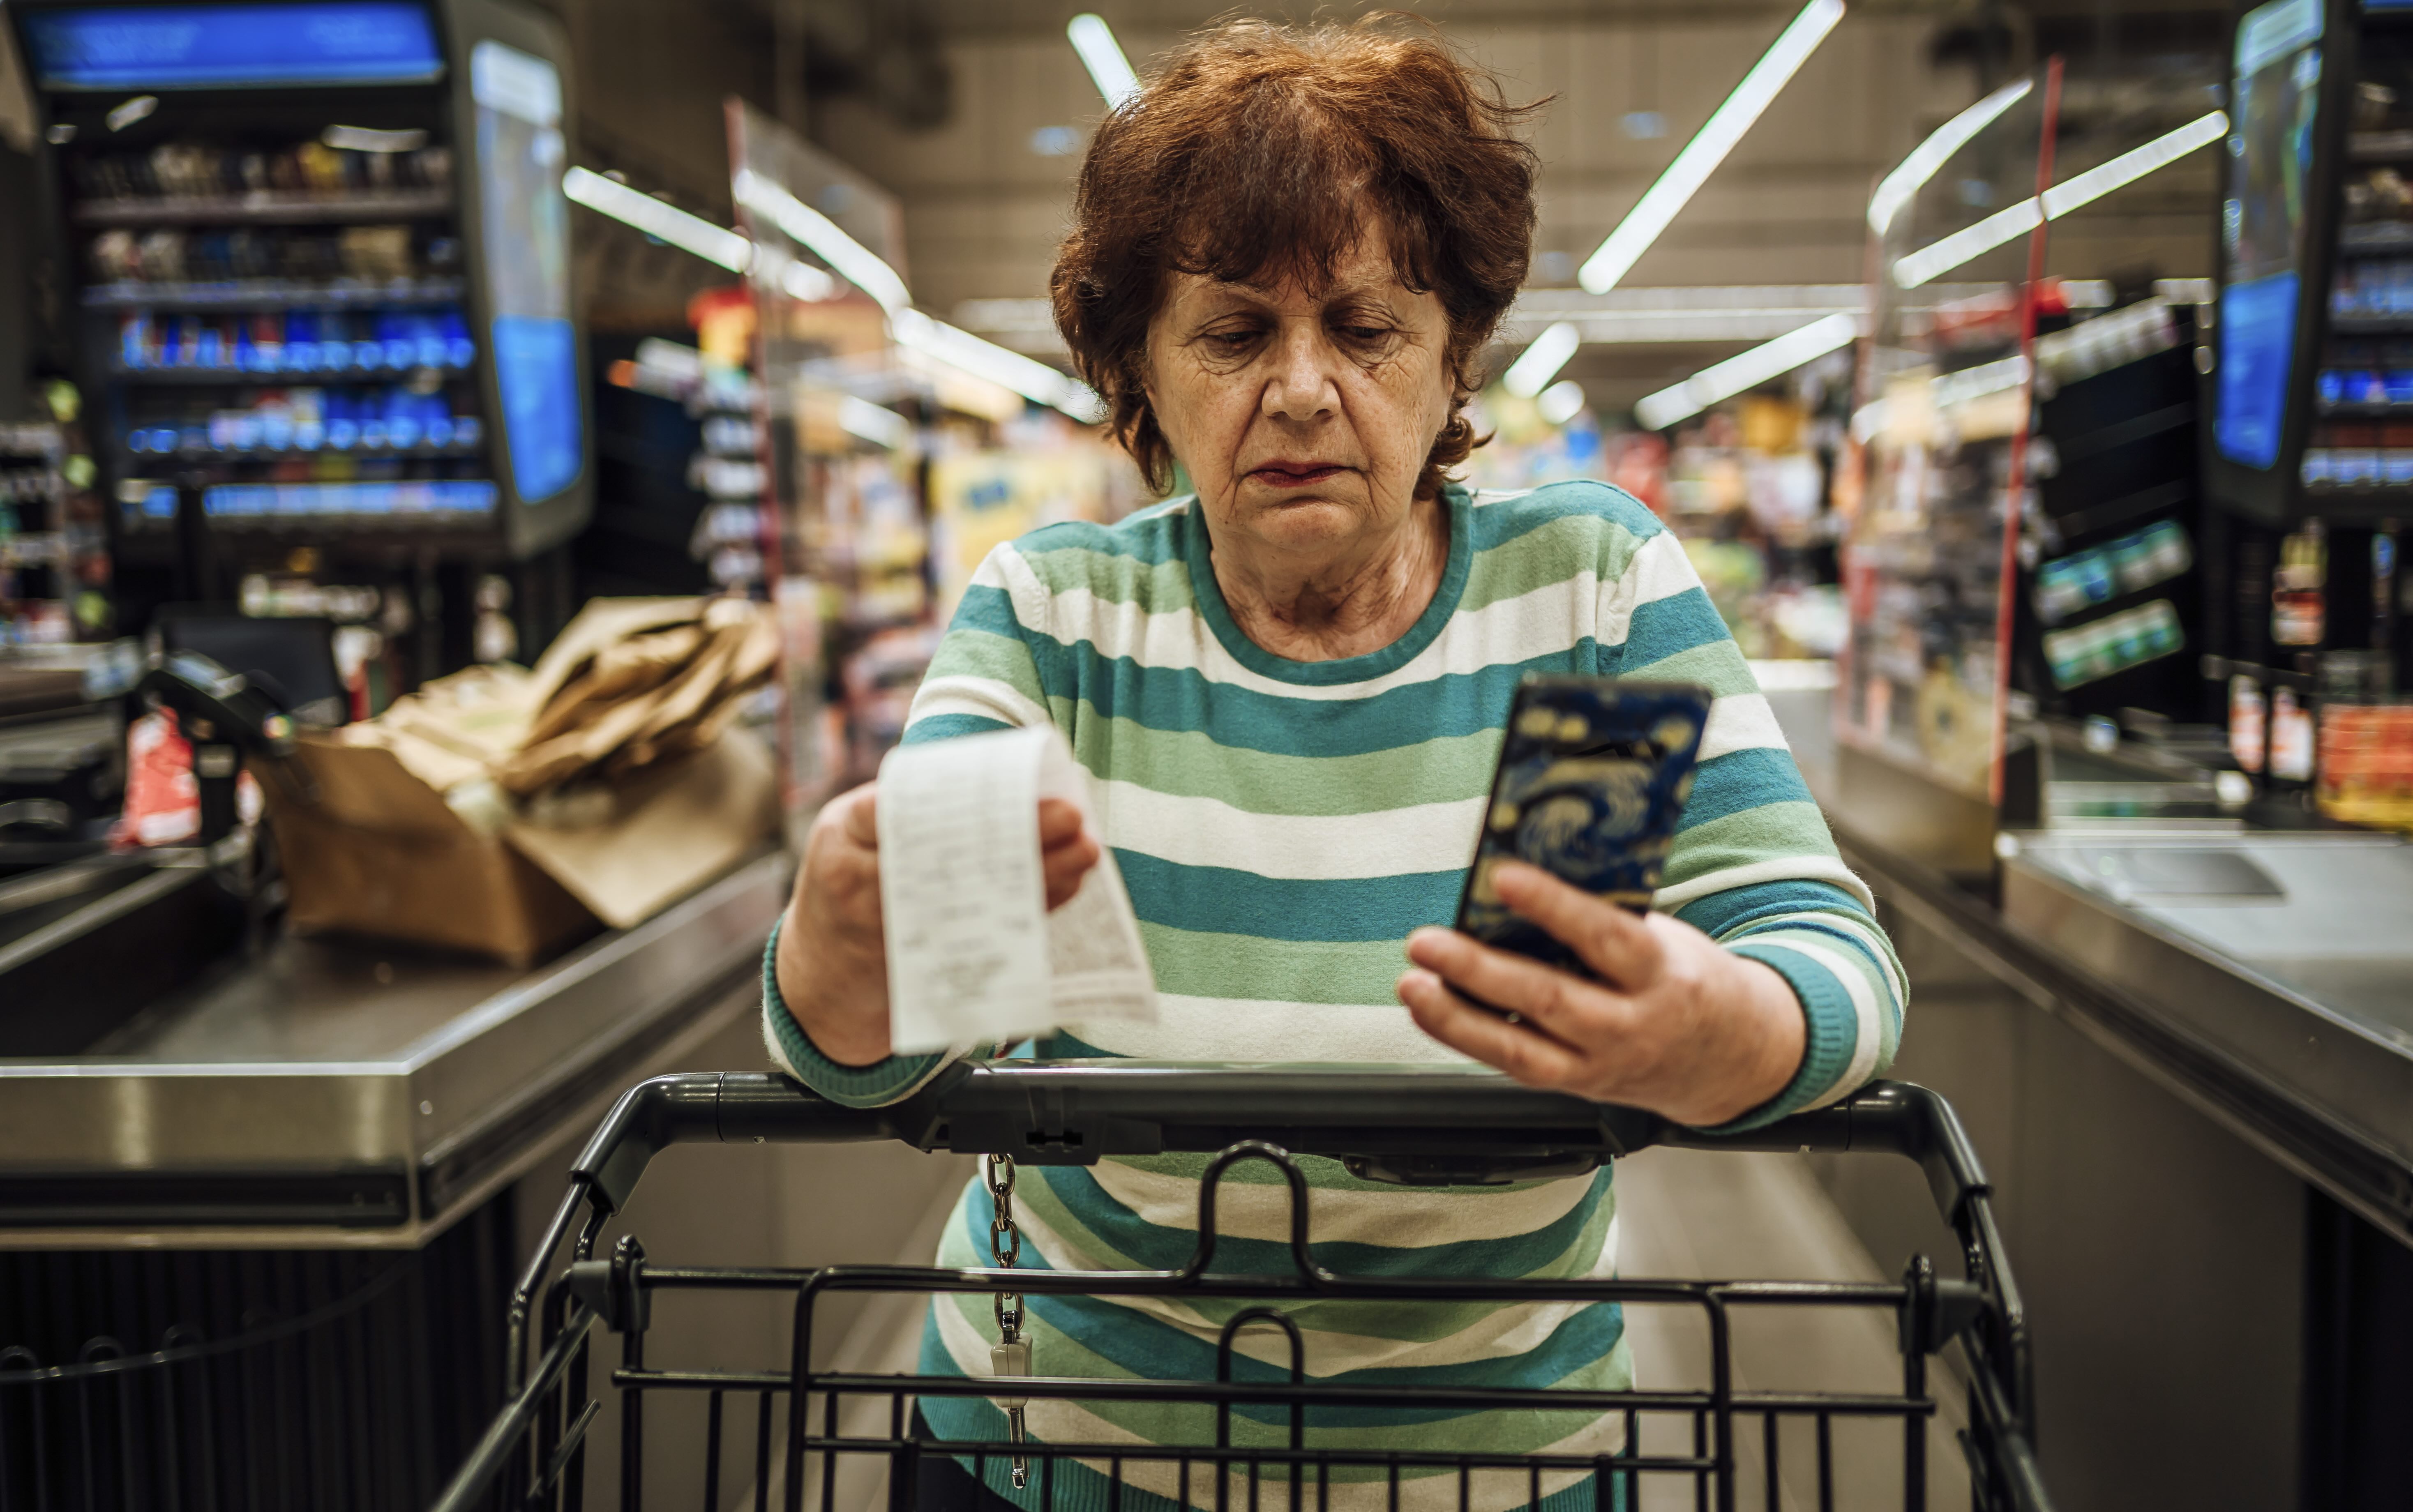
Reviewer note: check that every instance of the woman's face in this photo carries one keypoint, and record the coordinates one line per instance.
(1303, 418)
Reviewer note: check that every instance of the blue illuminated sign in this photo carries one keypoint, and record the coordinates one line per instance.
(221, 46)
(2258, 337)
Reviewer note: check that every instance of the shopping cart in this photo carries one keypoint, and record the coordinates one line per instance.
(1410, 1126)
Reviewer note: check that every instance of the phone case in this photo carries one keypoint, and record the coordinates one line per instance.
(1592, 778)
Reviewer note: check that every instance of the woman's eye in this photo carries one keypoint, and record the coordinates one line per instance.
(1230, 340)
(1365, 332)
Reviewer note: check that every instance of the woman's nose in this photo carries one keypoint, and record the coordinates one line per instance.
(1301, 386)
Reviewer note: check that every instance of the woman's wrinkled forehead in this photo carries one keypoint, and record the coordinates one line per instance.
(1304, 246)
(1364, 268)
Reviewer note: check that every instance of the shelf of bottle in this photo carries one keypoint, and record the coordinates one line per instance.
(2367, 410)
(256, 376)
(268, 207)
(2362, 324)
(240, 294)
(135, 462)
(2376, 238)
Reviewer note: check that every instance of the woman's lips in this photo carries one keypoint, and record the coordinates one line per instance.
(1295, 474)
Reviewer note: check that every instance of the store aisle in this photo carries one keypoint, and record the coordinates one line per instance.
(1697, 1213)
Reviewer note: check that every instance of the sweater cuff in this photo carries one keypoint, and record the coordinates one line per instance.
(1830, 1028)
(873, 1086)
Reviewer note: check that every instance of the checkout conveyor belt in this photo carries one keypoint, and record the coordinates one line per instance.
(330, 1093)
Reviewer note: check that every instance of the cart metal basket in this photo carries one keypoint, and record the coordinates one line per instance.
(1408, 1126)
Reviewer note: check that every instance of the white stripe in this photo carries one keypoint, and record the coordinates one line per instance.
(1207, 832)
(1245, 1029)
(1779, 868)
(1551, 618)
(1865, 1043)
(1742, 721)
(1659, 569)
(986, 697)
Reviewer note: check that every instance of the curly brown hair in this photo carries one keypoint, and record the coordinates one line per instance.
(1260, 152)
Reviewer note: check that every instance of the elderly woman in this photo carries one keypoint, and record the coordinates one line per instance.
(1286, 257)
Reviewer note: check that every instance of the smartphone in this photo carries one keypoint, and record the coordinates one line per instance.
(1592, 781)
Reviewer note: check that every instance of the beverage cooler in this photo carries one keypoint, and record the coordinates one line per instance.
(315, 282)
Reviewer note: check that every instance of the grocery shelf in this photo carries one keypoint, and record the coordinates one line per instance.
(136, 461)
(244, 376)
(274, 294)
(264, 208)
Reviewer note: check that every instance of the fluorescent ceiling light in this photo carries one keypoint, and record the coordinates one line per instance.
(1701, 156)
(370, 139)
(664, 222)
(876, 424)
(852, 262)
(2084, 188)
(1561, 402)
(1746, 370)
(1031, 379)
(1897, 189)
(1540, 362)
(1103, 58)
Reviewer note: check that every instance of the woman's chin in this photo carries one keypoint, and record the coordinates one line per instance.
(1303, 521)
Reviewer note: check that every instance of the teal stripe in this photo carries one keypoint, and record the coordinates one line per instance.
(1183, 700)
(1740, 781)
(1665, 627)
(1227, 902)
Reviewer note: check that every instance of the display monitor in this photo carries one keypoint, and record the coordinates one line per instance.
(2275, 101)
(520, 157)
(232, 46)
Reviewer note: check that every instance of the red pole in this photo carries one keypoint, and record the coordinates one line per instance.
(2015, 490)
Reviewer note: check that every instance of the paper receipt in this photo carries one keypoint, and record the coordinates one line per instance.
(973, 954)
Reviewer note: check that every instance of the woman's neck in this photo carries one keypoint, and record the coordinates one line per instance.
(1330, 609)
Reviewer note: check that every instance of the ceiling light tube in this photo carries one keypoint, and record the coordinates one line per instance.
(1103, 58)
(664, 222)
(1534, 369)
(876, 424)
(1026, 376)
(1745, 370)
(2081, 189)
(1897, 189)
(801, 223)
(1709, 147)
(2164, 150)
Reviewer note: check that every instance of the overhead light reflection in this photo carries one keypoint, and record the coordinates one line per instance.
(1103, 58)
(1540, 362)
(1897, 189)
(660, 221)
(1745, 371)
(1709, 147)
(2080, 189)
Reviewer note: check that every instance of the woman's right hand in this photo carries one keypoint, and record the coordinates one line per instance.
(833, 964)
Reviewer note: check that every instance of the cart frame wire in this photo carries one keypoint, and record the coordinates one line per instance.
(1410, 1126)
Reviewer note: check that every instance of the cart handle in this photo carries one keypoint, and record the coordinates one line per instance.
(1416, 1125)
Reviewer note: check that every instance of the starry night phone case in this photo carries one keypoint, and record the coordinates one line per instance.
(1592, 778)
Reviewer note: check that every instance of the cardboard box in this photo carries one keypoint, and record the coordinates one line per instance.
(370, 846)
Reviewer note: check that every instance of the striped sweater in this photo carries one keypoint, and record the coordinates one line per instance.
(1281, 826)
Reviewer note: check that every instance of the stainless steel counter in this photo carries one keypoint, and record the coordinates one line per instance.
(338, 1094)
(2285, 959)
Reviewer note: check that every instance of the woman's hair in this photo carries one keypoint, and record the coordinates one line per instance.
(1262, 152)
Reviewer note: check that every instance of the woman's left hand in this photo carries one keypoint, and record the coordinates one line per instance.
(1676, 1023)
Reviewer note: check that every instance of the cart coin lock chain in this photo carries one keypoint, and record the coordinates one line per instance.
(1010, 1357)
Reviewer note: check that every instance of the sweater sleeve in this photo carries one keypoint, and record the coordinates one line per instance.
(1753, 865)
(982, 677)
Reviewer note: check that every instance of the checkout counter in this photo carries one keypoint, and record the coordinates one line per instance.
(260, 1207)
(2182, 1035)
